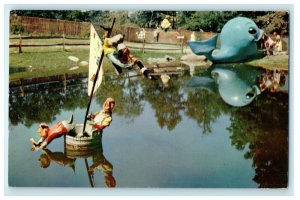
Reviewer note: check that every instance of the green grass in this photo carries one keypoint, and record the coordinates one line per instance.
(41, 61)
(272, 62)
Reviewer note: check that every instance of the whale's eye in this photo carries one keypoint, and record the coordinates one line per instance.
(250, 94)
(252, 31)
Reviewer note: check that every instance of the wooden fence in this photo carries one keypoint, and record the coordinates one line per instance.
(38, 26)
(54, 27)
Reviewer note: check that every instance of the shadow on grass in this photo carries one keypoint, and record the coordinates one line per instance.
(13, 70)
(257, 56)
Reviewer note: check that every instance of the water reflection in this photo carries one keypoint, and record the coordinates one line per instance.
(126, 91)
(263, 128)
(34, 106)
(260, 128)
(239, 85)
(101, 164)
(69, 157)
(59, 158)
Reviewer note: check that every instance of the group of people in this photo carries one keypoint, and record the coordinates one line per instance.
(272, 47)
(278, 43)
(271, 80)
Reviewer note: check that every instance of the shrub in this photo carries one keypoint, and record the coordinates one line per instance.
(16, 29)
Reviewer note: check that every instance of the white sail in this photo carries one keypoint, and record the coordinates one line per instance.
(96, 48)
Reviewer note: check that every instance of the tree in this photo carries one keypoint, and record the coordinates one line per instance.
(274, 21)
(205, 20)
(145, 18)
(214, 21)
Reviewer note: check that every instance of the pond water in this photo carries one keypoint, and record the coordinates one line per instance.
(163, 136)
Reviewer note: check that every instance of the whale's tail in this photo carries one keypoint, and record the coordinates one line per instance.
(203, 82)
(204, 47)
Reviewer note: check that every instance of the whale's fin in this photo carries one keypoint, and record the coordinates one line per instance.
(204, 47)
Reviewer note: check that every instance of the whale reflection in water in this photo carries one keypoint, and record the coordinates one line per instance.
(234, 90)
(237, 85)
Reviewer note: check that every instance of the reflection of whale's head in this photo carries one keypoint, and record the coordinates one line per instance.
(240, 32)
(233, 90)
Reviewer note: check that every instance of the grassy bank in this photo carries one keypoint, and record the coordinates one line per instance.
(272, 62)
(47, 61)
(41, 61)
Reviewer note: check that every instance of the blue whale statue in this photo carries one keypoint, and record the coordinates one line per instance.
(236, 85)
(238, 40)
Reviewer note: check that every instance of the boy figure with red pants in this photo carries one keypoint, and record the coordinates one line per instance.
(47, 133)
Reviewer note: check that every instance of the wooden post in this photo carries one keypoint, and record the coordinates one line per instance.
(65, 81)
(63, 35)
(65, 144)
(22, 87)
(20, 43)
(143, 46)
(181, 46)
(181, 39)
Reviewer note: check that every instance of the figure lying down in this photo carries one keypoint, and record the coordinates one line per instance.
(116, 51)
(47, 134)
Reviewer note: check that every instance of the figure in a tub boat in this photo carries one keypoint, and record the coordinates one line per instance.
(99, 120)
(96, 123)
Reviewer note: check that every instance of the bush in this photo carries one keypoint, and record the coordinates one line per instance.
(16, 29)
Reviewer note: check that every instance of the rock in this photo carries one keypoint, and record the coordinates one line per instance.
(73, 58)
(74, 68)
(192, 57)
(83, 64)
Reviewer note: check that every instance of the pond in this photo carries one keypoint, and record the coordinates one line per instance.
(175, 135)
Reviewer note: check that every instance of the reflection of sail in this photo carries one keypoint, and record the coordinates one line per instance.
(95, 53)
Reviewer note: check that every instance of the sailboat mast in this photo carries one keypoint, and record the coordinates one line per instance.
(96, 77)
